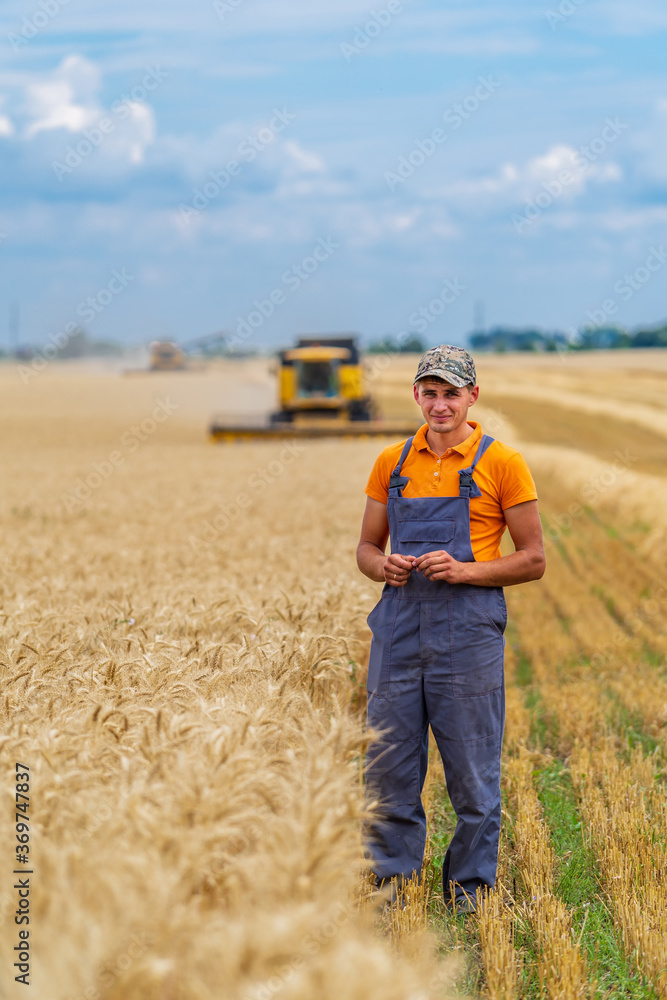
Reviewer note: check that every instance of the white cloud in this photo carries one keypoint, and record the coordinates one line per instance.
(557, 158)
(405, 220)
(138, 133)
(6, 124)
(55, 108)
(562, 158)
(305, 162)
(514, 182)
(66, 100)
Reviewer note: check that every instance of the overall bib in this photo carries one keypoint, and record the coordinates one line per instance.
(436, 658)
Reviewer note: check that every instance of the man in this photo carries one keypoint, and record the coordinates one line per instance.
(444, 497)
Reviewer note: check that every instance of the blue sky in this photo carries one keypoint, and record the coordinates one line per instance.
(486, 107)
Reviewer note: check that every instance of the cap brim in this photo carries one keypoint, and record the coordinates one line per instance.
(456, 380)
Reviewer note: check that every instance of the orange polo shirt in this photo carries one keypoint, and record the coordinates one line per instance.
(501, 474)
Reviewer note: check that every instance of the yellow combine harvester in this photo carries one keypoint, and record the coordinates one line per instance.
(321, 394)
(166, 357)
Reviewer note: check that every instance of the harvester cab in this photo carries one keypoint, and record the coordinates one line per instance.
(322, 379)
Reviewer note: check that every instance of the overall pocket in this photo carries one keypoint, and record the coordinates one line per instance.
(436, 532)
(491, 602)
(477, 643)
(381, 623)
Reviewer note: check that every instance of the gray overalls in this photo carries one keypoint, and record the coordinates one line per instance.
(436, 657)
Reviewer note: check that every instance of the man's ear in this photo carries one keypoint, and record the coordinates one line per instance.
(474, 393)
(415, 390)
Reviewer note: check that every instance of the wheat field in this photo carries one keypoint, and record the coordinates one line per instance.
(183, 649)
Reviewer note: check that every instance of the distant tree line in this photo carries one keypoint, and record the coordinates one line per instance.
(77, 345)
(501, 339)
(394, 345)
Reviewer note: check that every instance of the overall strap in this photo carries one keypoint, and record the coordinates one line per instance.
(397, 481)
(484, 443)
(467, 485)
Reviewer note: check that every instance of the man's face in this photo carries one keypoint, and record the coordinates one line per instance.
(444, 406)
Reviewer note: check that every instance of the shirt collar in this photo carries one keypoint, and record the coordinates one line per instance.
(465, 448)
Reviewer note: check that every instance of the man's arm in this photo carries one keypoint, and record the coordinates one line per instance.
(527, 563)
(371, 559)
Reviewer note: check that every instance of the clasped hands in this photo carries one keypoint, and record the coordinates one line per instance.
(434, 565)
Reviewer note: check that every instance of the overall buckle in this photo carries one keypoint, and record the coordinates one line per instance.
(398, 481)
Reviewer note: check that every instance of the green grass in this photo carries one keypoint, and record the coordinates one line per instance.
(442, 823)
(543, 725)
(654, 657)
(610, 607)
(523, 671)
(453, 932)
(525, 943)
(631, 727)
(578, 885)
(563, 553)
(523, 675)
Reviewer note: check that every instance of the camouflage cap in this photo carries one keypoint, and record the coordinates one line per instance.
(448, 362)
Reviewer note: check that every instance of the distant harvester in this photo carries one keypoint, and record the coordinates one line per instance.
(165, 356)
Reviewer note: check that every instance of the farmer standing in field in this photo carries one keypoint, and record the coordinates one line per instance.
(444, 498)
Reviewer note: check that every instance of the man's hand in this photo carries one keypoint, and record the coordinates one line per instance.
(397, 569)
(441, 566)
(371, 559)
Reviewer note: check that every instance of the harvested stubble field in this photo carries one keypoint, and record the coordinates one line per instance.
(182, 652)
